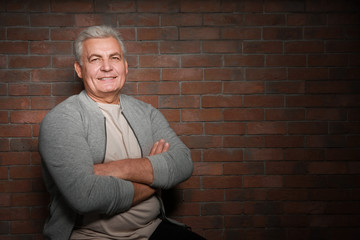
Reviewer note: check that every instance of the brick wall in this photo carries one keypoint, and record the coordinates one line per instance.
(265, 93)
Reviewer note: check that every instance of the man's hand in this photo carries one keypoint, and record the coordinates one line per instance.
(159, 147)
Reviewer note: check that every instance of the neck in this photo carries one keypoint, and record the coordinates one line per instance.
(111, 99)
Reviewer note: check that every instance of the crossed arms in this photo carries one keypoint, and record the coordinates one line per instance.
(139, 171)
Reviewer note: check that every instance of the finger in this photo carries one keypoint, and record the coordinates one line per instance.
(153, 149)
(160, 146)
(166, 147)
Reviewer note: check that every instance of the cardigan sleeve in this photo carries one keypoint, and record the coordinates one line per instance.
(174, 166)
(68, 163)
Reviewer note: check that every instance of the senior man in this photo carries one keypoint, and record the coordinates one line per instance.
(105, 154)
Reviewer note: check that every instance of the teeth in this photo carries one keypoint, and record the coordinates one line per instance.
(107, 78)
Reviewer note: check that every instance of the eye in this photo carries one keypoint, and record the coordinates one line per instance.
(93, 60)
(116, 58)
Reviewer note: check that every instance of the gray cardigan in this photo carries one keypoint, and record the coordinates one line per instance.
(73, 138)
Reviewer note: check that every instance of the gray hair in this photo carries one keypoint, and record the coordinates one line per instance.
(96, 32)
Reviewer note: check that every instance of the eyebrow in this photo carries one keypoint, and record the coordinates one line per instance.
(111, 55)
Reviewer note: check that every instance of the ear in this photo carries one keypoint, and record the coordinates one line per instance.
(126, 67)
(78, 69)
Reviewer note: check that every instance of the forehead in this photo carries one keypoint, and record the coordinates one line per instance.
(101, 46)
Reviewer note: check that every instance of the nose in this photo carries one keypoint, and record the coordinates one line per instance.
(106, 66)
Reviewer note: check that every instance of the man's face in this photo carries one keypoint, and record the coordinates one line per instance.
(103, 69)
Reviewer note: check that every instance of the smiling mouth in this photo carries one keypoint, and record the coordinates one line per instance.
(106, 78)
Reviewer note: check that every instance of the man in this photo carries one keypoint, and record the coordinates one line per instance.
(105, 154)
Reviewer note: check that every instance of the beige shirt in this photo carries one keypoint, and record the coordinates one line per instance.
(140, 221)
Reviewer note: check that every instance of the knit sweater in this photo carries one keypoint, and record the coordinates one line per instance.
(73, 138)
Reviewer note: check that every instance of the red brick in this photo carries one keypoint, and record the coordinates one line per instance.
(191, 183)
(286, 60)
(66, 89)
(15, 103)
(285, 114)
(265, 154)
(263, 101)
(308, 73)
(244, 87)
(218, 74)
(141, 47)
(228, 208)
(243, 114)
(28, 6)
(325, 141)
(180, 47)
(165, 33)
(15, 186)
(14, 47)
(243, 6)
(27, 116)
(94, 19)
(207, 169)
(243, 141)
(223, 19)
(158, 6)
(15, 158)
(14, 76)
(4, 117)
(23, 227)
(187, 209)
(14, 19)
(241, 33)
(263, 181)
(176, 19)
(143, 75)
(229, 128)
(307, 128)
(27, 34)
(29, 61)
(327, 168)
(304, 47)
(247, 61)
(50, 48)
(166, 61)
(201, 115)
(243, 168)
(199, 33)
(202, 141)
(111, 6)
(306, 19)
(304, 181)
(201, 88)
(328, 60)
(323, 33)
(182, 74)
(264, 19)
(15, 130)
(29, 89)
(52, 20)
(29, 199)
(263, 47)
(52, 75)
(277, 33)
(222, 182)
(284, 6)
(159, 88)
(187, 128)
(284, 141)
(221, 47)
(287, 194)
(179, 102)
(266, 128)
(344, 128)
(61, 34)
(14, 213)
(63, 61)
(201, 61)
(19, 172)
(266, 74)
(72, 6)
(45, 102)
(285, 168)
(223, 155)
(23, 144)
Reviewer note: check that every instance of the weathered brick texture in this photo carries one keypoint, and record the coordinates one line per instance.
(266, 94)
